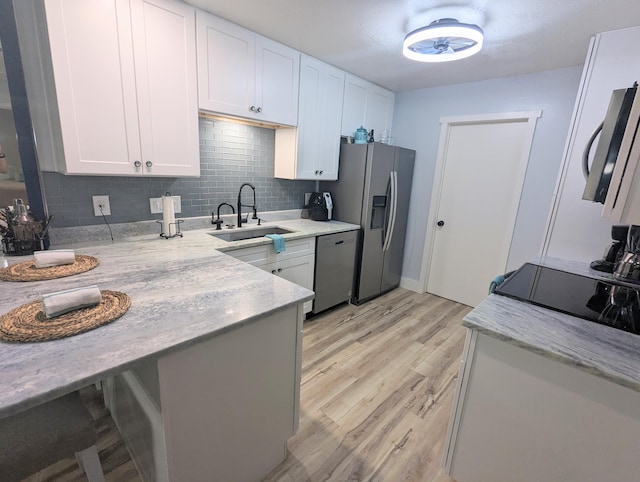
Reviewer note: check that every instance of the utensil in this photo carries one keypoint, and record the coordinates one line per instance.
(628, 269)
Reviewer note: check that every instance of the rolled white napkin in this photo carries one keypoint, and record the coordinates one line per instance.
(60, 302)
(54, 257)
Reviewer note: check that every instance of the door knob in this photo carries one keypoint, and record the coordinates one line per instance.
(440, 223)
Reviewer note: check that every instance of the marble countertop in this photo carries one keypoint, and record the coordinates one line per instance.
(183, 291)
(588, 346)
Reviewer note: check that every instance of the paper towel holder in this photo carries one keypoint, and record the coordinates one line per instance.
(176, 224)
(168, 219)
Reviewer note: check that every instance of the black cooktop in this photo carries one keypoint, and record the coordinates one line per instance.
(604, 302)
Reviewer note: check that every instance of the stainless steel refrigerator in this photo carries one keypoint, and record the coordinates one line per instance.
(373, 190)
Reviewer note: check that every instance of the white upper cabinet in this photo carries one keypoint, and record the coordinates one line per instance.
(577, 229)
(165, 61)
(113, 86)
(244, 74)
(368, 105)
(312, 150)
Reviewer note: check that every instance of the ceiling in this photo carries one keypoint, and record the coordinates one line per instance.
(365, 37)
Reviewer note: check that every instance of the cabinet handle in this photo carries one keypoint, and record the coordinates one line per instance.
(259, 109)
(148, 164)
(273, 271)
(252, 108)
(279, 270)
(321, 172)
(136, 165)
(317, 172)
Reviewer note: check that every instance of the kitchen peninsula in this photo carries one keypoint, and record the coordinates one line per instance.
(223, 338)
(543, 395)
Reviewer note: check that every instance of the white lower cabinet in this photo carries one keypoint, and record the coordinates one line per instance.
(218, 410)
(518, 415)
(295, 264)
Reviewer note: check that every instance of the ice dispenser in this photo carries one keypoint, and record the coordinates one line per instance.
(378, 210)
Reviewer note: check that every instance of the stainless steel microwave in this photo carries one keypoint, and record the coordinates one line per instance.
(611, 131)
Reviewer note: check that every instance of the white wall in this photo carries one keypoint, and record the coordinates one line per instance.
(416, 126)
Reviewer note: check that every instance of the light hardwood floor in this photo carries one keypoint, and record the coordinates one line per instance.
(377, 387)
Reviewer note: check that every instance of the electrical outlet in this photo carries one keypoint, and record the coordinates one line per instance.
(101, 205)
(155, 204)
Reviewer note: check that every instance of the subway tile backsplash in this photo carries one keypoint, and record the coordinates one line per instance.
(230, 154)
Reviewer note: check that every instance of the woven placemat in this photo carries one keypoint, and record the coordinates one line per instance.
(27, 271)
(27, 322)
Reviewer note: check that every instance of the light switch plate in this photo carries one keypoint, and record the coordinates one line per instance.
(155, 204)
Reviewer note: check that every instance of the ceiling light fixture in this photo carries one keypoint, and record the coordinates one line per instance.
(443, 40)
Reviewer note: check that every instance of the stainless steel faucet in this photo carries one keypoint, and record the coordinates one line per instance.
(255, 209)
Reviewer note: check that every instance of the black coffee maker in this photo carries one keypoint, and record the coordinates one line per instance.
(614, 253)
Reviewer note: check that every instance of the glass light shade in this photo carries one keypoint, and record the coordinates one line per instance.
(443, 41)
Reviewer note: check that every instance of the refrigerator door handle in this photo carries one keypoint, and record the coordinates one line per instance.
(387, 213)
(392, 214)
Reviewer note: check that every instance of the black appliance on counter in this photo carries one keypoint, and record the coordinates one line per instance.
(599, 300)
(613, 254)
(319, 207)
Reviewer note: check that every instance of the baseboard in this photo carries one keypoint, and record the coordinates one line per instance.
(411, 284)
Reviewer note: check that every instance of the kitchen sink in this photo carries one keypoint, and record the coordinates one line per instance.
(240, 234)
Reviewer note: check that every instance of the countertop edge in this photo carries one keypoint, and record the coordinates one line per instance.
(593, 348)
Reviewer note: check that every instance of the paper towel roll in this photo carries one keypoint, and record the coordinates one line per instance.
(168, 216)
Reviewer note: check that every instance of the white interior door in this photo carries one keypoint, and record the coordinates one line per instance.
(481, 166)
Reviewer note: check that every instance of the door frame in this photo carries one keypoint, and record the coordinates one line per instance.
(446, 123)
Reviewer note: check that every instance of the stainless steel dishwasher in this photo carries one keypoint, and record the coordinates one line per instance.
(335, 267)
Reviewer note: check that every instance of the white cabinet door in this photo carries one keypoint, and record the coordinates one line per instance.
(379, 111)
(368, 105)
(312, 150)
(93, 70)
(123, 80)
(165, 54)
(226, 66)
(299, 271)
(277, 82)
(245, 75)
(331, 115)
(355, 104)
